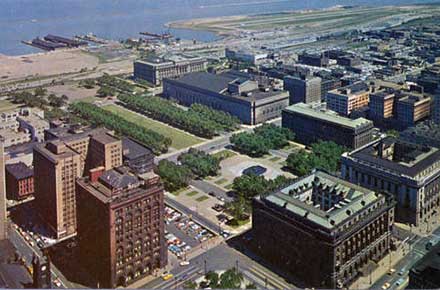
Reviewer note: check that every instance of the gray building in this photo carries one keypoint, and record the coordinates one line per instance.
(312, 122)
(410, 172)
(233, 92)
(303, 89)
(154, 69)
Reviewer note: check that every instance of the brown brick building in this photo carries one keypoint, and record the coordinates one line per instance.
(322, 230)
(19, 181)
(57, 165)
(120, 225)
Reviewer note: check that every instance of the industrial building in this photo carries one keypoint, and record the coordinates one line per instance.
(236, 93)
(312, 122)
(155, 69)
(322, 230)
(408, 171)
(120, 225)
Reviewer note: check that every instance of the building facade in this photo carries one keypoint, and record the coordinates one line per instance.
(425, 274)
(19, 181)
(3, 219)
(311, 123)
(409, 172)
(381, 105)
(155, 69)
(240, 96)
(436, 109)
(139, 158)
(303, 89)
(347, 99)
(322, 230)
(412, 108)
(120, 225)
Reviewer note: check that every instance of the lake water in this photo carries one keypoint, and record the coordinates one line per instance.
(120, 19)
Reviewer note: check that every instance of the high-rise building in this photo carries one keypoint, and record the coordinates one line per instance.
(436, 109)
(3, 219)
(56, 167)
(303, 89)
(59, 162)
(322, 230)
(120, 225)
(381, 105)
(347, 99)
(408, 171)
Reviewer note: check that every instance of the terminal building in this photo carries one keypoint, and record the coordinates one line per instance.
(312, 122)
(408, 171)
(239, 94)
(121, 230)
(322, 230)
(155, 69)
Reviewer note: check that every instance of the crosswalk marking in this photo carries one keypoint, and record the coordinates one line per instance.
(271, 278)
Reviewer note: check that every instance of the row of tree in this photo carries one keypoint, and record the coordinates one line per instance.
(39, 99)
(118, 84)
(196, 121)
(324, 155)
(230, 279)
(263, 139)
(193, 164)
(100, 117)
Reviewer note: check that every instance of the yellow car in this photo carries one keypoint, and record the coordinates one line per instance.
(167, 276)
(386, 286)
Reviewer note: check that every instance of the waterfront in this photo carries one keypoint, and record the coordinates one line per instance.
(26, 19)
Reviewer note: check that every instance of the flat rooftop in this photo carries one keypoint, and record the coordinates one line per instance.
(399, 156)
(132, 149)
(303, 199)
(168, 59)
(318, 111)
(352, 90)
(19, 170)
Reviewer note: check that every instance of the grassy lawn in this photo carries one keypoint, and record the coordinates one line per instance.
(221, 181)
(192, 193)
(229, 186)
(6, 105)
(237, 223)
(179, 139)
(179, 191)
(275, 159)
(90, 99)
(224, 154)
(202, 198)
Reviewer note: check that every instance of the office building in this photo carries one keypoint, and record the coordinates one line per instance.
(251, 56)
(424, 133)
(312, 122)
(136, 156)
(19, 181)
(319, 60)
(303, 89)
(349, 98)
(381, 105)
(412, 108)
(155, 69)
(322, 230)
(436, 110)
(409, 172)
(120, 225)
(57, 164)
(238, 94)
(425, 274)
(3, 219)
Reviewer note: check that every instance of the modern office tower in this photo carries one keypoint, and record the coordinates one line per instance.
(3, 218)
(237, 93)
(303, 89)
(408, 171)
(312, 122)
(56, 168)
(154, 69)
(347, 99)
(322, 230)
(120, 225)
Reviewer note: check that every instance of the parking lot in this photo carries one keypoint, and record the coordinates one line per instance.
(182, 233)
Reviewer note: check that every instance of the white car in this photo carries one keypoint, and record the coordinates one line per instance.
(184, 263)
(57, 282)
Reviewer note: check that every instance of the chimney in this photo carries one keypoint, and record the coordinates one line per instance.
(95, 173)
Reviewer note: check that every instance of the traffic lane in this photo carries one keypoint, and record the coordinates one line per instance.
(207, 187)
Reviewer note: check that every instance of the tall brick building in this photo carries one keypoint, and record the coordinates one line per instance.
(322, 230)
(19, 181)
(120, 225)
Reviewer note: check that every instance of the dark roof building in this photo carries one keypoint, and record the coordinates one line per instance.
(425, 274)
(19, 181)
(136, 156)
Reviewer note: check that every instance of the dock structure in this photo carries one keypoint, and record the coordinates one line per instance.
(156, 35)
(52, 42)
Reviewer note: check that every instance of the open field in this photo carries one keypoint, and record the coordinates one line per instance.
(73, 92)
(6, 105)
(180, 139)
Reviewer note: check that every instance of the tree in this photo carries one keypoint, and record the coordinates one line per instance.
(174, 176)
(278, 137)
(300, 163)
(250, 185)
(393, 133)
(40, 92)
(104, 92)
(56, 101)
(88, 84)
(200, 163)
(230, 279)
(250, 144)
(190, 285)
(213, 279)
(251, 286)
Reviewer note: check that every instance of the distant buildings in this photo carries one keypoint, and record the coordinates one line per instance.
(120, 225)
(154, 69)
(425, 274)
(411, 108)
(319, 60)
(19, 181)
(436, 110)
(303, 89)
(58, 163)
(251, 56)
(409, 172)
(236, 93)
(311, 123)
(322, 230)
(347, 99)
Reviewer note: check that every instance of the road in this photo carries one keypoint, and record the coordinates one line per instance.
(209, 187)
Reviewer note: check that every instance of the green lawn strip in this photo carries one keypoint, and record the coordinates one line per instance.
(179, 139)
(179, 191)
(224, 154)
(275, 159)
(6, 105)
(192, 193)
(202, 198)
(221, 181)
